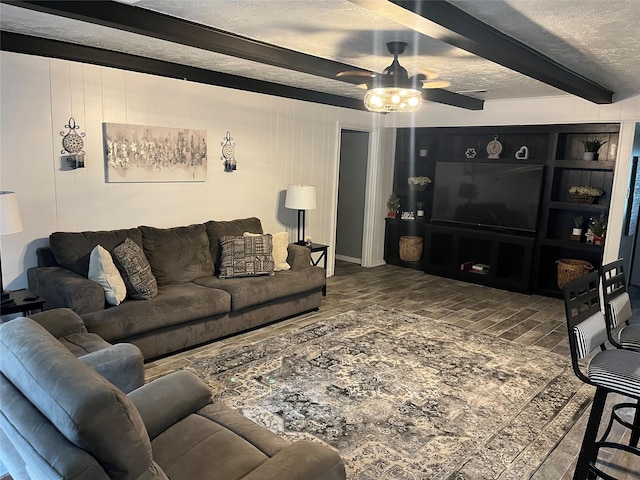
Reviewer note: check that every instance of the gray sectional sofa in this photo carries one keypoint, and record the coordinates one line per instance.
(193, 305)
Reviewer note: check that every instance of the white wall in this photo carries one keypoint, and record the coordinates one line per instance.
(279, 141)
(553, 110)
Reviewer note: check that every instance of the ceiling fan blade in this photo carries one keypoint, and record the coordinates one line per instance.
(430, 74)
(436, 84)
(356, 73)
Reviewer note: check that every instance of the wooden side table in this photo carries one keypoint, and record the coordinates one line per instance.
(22, 301)
(318, 247)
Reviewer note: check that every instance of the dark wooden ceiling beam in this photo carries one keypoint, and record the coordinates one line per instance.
(17, 43)
(458, 28)
(158, 25)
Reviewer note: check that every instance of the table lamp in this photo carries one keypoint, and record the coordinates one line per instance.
(301, 198)
(10, 222)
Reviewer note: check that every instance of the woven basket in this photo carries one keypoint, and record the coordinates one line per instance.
(583, 198)
(569, 269)
(417, 188)
(410, 248)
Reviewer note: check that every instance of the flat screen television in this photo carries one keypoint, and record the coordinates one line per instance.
(487, 194)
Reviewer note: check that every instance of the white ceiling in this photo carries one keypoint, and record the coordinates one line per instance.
(598, 39)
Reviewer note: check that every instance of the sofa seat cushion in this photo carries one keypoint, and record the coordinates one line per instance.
(249, 291)
(173, 305)
(179, 254)
(73, 249)
(218, 439)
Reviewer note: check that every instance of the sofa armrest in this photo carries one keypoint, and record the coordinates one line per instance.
(301, 461)
(167, 400)
(122, 364)
(60, 322)
(298, 256)
(62, 288)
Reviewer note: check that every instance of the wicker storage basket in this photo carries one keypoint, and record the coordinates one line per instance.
(410, 248)
(569, 269)
(583, 198)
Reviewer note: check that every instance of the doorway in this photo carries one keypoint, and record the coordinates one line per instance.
(352, 182)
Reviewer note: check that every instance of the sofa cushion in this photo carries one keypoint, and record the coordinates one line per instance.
(104, 272)
(174, 304)
(246, 256)
(249, 291)
(232, 228)
(179, 254)
(135, 270)
(72, 249)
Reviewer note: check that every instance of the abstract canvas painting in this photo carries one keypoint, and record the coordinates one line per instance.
(140, 153)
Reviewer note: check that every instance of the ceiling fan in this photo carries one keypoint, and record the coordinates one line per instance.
(393, 90)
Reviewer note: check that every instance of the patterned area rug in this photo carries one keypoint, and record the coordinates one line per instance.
(403, 396)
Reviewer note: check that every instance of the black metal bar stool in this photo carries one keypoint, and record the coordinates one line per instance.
(610, 371)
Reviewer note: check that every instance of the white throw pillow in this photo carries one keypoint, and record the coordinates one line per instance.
(103, 271)
(280, 249)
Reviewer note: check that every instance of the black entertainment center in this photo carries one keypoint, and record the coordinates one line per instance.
(502, 219)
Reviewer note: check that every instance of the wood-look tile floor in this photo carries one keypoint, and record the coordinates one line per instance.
(524, 319)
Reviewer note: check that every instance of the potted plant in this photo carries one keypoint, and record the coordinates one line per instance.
(418, 183)
(598, 228)
(393, 204)
(591, 148)
(420, 209)
(576, 233)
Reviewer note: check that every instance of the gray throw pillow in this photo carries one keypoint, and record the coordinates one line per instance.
(135, 270)
(246, 256)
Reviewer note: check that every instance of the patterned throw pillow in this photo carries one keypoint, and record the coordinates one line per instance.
(135, 270)
(246, 256)
(280, 250)
(104, 272)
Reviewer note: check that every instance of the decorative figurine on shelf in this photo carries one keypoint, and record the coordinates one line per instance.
(523, 153)
(408, 216)
(471, 153)
(393, 204)
(494, 148)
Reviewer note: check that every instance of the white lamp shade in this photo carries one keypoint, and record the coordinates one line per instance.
(10, 221)
(301, 197)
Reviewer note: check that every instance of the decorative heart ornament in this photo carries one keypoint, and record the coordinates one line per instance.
(523, 153)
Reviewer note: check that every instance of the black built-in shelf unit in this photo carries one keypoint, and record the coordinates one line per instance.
(516, 260)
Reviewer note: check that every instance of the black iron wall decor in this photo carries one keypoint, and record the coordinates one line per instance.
(73, 145)
(228, 153)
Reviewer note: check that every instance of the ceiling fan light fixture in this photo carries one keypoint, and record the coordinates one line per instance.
(392, 99)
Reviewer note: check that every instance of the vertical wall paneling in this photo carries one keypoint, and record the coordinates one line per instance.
(279, 141)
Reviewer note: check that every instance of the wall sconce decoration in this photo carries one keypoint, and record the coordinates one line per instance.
(73, 145)
(228, 153)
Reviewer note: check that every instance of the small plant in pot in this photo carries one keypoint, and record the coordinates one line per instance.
(578, 223)
(393, 204)
(598, 228)
(420, 209)
(591, 148)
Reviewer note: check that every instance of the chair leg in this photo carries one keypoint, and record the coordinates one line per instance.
(635, 431)
(588, 449)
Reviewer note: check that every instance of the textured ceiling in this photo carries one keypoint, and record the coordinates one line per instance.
(597, 39)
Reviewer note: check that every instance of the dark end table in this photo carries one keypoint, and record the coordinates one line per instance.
(318, 247)
(22, 301)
